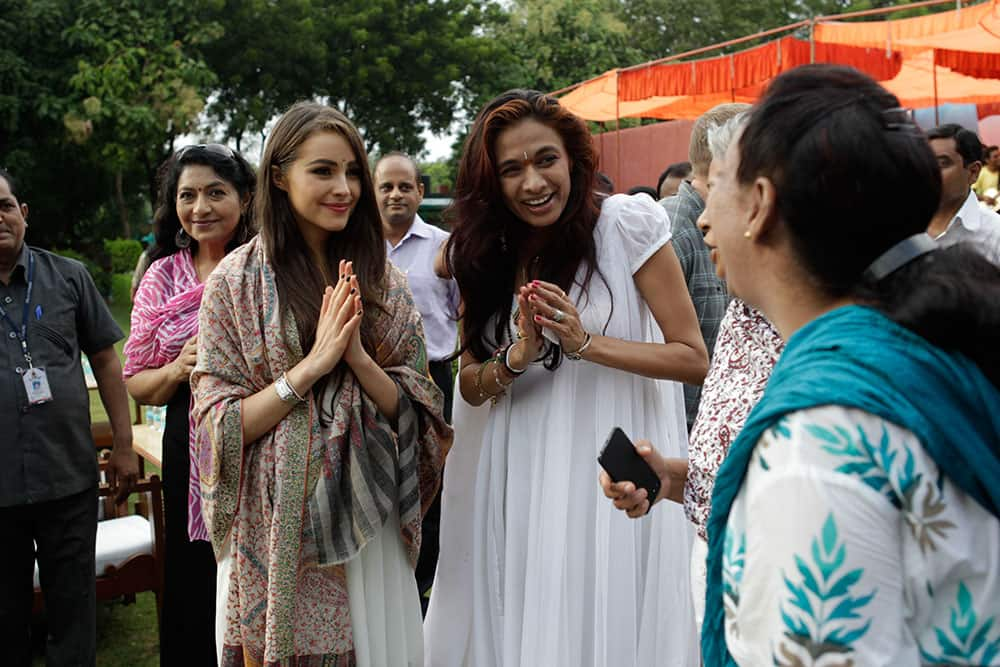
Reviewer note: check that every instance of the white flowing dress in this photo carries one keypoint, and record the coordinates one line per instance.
(537, 567)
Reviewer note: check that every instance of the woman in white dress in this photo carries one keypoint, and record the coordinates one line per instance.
(569, 298)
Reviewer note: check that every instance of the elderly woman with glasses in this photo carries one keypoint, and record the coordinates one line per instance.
(203, 212)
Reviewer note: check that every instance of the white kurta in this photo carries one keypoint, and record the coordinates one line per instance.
(847, 546)
(537, 567)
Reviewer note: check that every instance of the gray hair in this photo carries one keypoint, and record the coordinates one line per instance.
(721, 136)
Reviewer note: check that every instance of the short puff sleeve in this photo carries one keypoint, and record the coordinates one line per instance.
(643, 225)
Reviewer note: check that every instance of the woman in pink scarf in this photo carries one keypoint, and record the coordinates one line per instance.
(203, 212)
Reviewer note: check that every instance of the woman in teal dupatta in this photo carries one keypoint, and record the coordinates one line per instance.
(855, 518)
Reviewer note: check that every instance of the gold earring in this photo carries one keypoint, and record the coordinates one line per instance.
(747, 234)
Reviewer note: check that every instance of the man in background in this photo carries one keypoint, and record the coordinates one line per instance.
(412, 245)
(960, 218)
(671, 179)
(50, 311)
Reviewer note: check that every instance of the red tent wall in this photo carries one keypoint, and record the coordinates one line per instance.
(645, 152)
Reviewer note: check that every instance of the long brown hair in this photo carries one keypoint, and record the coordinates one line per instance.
(483, 248)
(300, 286)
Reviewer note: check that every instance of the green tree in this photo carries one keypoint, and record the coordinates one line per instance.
(136, 85)
(268, 55)
(395, 67)
(441, 174)
(60, 180)
(559, 42)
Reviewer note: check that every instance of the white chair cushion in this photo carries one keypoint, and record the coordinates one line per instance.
(118, 540)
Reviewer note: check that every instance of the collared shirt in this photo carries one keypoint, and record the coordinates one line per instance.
(747, 349)
(708, 291)
(975, 226)
(436, 298)
(47, 451)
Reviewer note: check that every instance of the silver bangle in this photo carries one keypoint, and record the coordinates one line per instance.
(506, 362)
(286, 392)
(578, 354)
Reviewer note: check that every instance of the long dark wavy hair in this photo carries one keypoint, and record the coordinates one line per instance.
(228, 165)
(483, 250)
(300, 286)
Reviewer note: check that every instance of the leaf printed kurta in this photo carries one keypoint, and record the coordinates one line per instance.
(847, 546)
(294, 505)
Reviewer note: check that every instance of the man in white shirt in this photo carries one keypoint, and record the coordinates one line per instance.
(412, 245)
(959, 218)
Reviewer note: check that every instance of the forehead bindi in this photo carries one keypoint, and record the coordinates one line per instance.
(199, 177)
(525, 140)
(327, 148)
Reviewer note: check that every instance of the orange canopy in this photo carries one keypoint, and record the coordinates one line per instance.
(952, 56)
(749, 68)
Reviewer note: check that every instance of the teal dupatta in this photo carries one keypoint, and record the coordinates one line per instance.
(856, 357)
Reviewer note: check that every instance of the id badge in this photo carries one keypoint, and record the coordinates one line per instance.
(36, 384)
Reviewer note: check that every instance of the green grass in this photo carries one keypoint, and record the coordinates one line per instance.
(126, 633)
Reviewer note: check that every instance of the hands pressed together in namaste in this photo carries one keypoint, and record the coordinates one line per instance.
(544, 305)
(338, 330)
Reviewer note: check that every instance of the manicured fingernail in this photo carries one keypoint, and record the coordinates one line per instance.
(534, 282)
(538, 318)
(353, 290)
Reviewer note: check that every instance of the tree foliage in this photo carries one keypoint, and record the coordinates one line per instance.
(94, 94)
(136, 84)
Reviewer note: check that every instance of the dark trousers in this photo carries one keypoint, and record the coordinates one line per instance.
(441, 374)
(65, 532)
(430, 528)
(187, 620)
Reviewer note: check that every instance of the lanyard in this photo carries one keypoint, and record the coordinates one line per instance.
(22, 334)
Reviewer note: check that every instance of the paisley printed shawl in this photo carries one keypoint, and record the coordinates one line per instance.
(366, 466)
(242, 350)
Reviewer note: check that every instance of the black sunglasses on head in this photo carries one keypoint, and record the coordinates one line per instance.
(215, 149)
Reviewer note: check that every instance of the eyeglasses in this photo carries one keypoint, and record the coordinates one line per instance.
(215, 149)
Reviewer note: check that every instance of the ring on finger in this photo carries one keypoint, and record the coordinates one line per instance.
(558, 316)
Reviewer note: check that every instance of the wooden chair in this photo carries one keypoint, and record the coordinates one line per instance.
(122, 574)
(129, 547)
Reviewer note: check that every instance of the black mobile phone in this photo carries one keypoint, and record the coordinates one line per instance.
(623, 464)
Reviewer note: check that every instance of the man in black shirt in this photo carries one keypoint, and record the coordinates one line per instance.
(50, 311)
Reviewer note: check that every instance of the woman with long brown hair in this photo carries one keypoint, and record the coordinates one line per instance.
(321, 437)
(576, 320)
